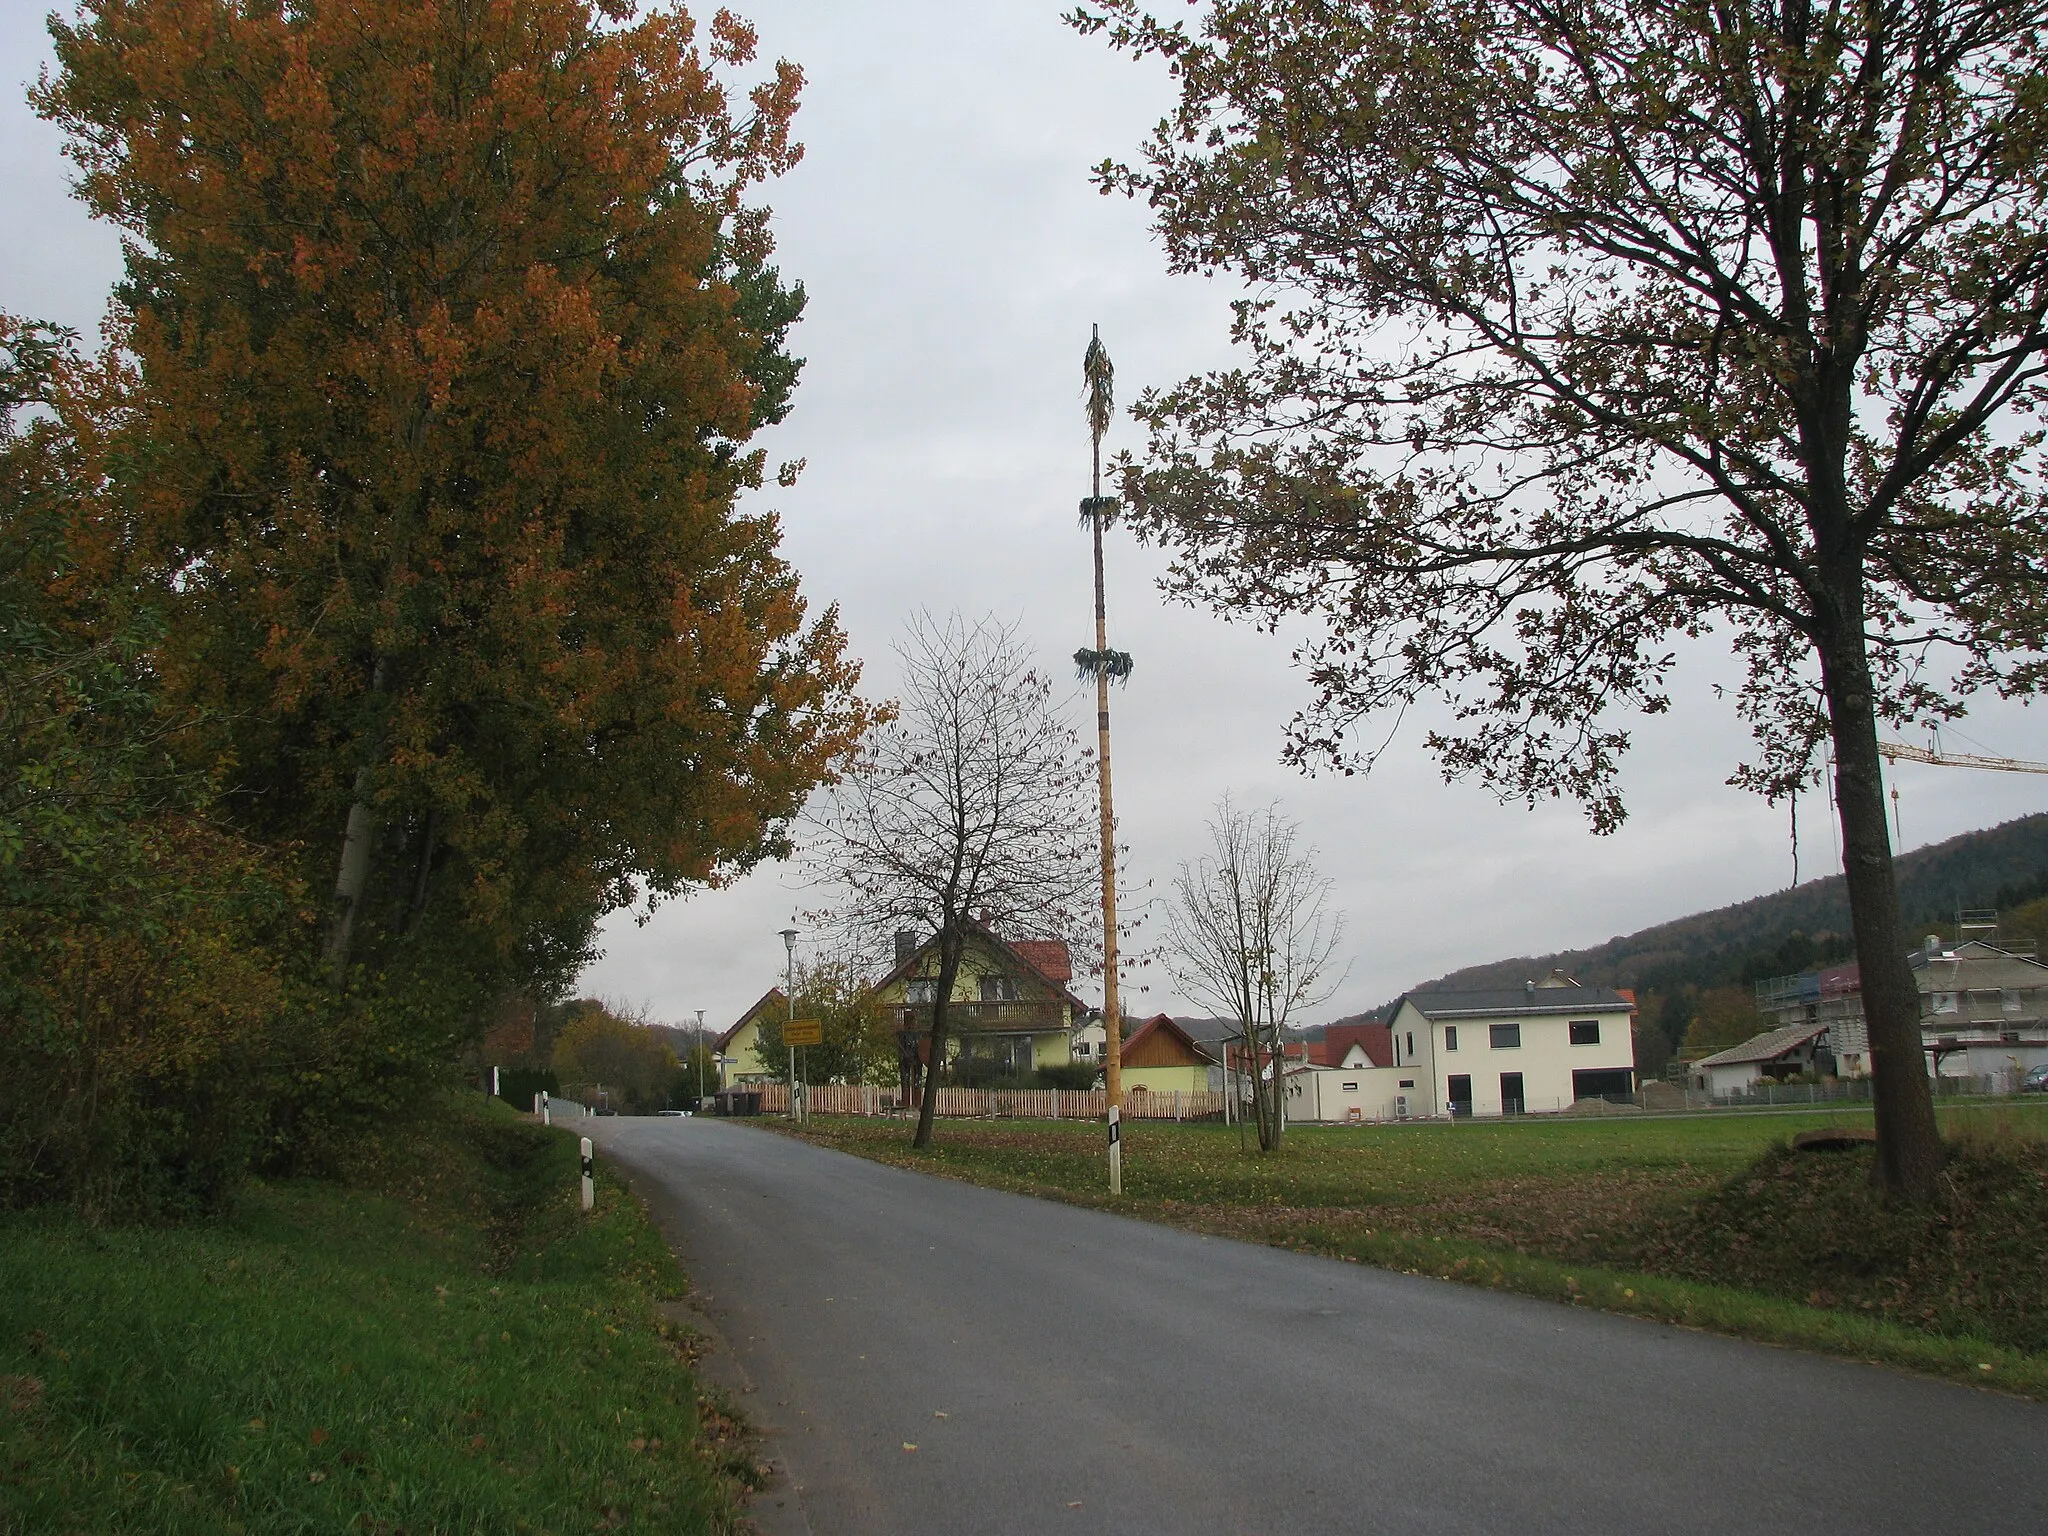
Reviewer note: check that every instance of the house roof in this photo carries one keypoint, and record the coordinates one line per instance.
(1768, 1046)
(1511, 1002)
(1160, 1030)
(773, 997)
(1211, 1032)
(1049, 957)
(1377, 1040)
(1027, 953)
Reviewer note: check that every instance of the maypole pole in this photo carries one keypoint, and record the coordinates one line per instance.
(1105, 666)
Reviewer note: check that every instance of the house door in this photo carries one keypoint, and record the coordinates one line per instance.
(1511, 1093)
(1461, 1095)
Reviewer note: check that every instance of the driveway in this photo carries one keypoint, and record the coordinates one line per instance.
(1062, 1370)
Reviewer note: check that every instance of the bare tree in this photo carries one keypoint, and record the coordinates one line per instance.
(1250, 932)
(972, 802)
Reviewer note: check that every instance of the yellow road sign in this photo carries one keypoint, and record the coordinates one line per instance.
(803, 1032)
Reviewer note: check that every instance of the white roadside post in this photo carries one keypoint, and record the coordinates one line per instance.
(546, 1115)
(589, 1180)
(1116, 1150)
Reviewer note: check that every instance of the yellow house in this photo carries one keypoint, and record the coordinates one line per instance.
(739, 1061)
(1161, 1057)
(1010, 1006)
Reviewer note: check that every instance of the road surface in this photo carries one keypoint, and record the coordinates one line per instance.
(1061, 1370)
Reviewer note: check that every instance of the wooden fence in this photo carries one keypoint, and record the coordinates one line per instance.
(997, 1103)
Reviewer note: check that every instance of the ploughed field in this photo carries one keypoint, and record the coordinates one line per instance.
(1709, 1220)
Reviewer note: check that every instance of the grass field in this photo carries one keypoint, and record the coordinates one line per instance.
(1704, 1220)
(465, 1351)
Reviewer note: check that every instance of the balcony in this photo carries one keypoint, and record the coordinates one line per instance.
(963, 1018)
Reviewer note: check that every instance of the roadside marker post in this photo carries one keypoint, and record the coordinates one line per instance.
(546, 1109)
(589, 1176)
(1116, 1150)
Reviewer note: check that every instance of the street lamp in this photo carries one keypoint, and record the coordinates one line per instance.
(789, 980)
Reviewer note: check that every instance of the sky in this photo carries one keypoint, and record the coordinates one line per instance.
(955, 256)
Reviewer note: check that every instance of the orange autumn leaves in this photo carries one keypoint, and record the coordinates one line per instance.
(445, 364)
(422, 440)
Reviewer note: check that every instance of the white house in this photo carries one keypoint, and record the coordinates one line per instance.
(1774, 1054)
(1348, 1077)
(1532, 1049)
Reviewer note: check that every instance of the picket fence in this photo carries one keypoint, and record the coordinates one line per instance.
(997, 1103)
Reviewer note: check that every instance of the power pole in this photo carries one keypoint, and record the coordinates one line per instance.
(1099, 377)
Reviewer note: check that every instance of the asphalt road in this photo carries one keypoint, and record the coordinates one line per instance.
(1061, 1370)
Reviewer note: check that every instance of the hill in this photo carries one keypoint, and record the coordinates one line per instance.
(1785, 931)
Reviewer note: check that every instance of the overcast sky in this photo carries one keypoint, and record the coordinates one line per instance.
(955, 256)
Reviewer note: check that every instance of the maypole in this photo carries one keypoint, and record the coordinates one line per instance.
(1105, 666)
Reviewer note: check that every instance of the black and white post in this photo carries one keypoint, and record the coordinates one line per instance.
(589, 1176)
(1116, 1149)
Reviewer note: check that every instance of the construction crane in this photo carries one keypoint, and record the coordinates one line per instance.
(1894, 750)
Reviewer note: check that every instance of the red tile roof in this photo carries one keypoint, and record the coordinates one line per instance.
(1377, 1039)
(1049, 956)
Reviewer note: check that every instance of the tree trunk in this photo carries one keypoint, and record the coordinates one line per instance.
(352, 880)
(422, 876)
(1909, 1148)
(950, 946)
(1277, 1110)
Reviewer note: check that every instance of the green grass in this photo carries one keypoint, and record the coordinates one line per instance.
(465, 1351)
(1702, 1220)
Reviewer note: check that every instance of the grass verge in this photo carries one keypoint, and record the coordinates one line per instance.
(447, 1344)
(1706, 1221)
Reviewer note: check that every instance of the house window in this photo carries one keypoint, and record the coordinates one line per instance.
(1450, 1037)
(919, 992)
(1411, 1045)
(2009, 1001)
(1351, 1087)
(1585, 1031)
(1083, 1048)
(1504, 1037)
(1944, 1002)
(1407, 1082)
(998, 989)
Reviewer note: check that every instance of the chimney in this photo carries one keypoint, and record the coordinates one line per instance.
(1528, 989)
(1933, 944)
(906, 945)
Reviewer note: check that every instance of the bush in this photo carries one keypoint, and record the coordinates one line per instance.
(1078, 1076)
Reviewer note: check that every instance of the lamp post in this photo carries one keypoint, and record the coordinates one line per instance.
(789, 980)
(698, 1052)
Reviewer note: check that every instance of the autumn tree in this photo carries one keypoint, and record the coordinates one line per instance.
(445, 330)
(598, 1050)
(860, 1043)
(1249, 932)
(971, 803)
(1723, 1017)
(1585, 329)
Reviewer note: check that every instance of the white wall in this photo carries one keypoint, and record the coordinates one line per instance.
(1351, 1095)
(1546, 1058)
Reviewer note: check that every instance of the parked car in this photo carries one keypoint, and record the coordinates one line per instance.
(2036, 1080)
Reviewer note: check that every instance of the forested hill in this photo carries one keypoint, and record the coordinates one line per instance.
(1790, 929)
